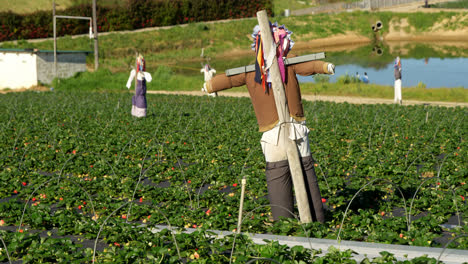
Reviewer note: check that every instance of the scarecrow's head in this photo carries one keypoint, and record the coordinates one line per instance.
(141, 66)
(281, 36)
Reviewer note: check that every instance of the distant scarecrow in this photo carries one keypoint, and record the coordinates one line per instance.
(208, 74)
(397, 75)
(139, 105)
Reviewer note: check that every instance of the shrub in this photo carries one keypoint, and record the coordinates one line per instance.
(134, 14)
(347, 79)
(321, 78)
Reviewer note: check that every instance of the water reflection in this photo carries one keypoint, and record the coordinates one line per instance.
(428, 72)
(432, 66)
(422, 65)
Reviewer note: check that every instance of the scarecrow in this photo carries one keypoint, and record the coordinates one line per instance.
(278, 175)
(139, 99)
(397, 75)
(208, 74)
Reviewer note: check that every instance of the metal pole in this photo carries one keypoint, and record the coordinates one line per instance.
(55, 34)
(283, 115)
(96, 49)
(55, 39)
(75, 17)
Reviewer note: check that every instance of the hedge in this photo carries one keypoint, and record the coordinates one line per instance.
(133, 14)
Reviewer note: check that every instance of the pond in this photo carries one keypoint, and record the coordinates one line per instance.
(431, 65)
(426, 65)
(429, 72)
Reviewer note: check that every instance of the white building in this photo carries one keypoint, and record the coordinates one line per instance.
(24, 68)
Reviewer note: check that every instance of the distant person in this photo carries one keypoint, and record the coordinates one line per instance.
(139, 99)
(365, 78)
(357, 77)
(208, 72)
(397, 74)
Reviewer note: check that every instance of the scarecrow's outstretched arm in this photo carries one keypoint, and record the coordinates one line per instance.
(223, 82)
(313, 67)
(130, 78)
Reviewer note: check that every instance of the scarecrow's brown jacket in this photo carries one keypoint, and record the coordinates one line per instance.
(264, 103)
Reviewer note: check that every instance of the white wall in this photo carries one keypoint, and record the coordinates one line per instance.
(17, 70)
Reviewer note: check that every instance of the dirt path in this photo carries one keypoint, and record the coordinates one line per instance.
(337, 99)
(308, 97)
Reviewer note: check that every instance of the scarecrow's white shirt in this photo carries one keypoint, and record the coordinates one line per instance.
(298, 133)
(141, 75)
(208, 74)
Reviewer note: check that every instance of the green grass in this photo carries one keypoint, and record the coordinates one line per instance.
(422, 21)
(386, 92)
(462, 4)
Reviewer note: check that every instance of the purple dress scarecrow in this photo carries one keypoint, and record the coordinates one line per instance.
(139, 99)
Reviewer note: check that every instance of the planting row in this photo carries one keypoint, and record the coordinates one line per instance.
(78, 164)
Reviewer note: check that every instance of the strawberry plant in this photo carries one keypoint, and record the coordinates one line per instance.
(77, 166)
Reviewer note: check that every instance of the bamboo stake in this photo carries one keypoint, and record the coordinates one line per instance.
(241, 206)
(283, 114)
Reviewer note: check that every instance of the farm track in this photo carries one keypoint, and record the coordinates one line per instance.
(307, 97)
(327, 98)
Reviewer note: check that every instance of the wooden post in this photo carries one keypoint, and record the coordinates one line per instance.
(283, 115)
(136, 68)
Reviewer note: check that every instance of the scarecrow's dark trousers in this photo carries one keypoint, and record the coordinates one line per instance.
(280, 191)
